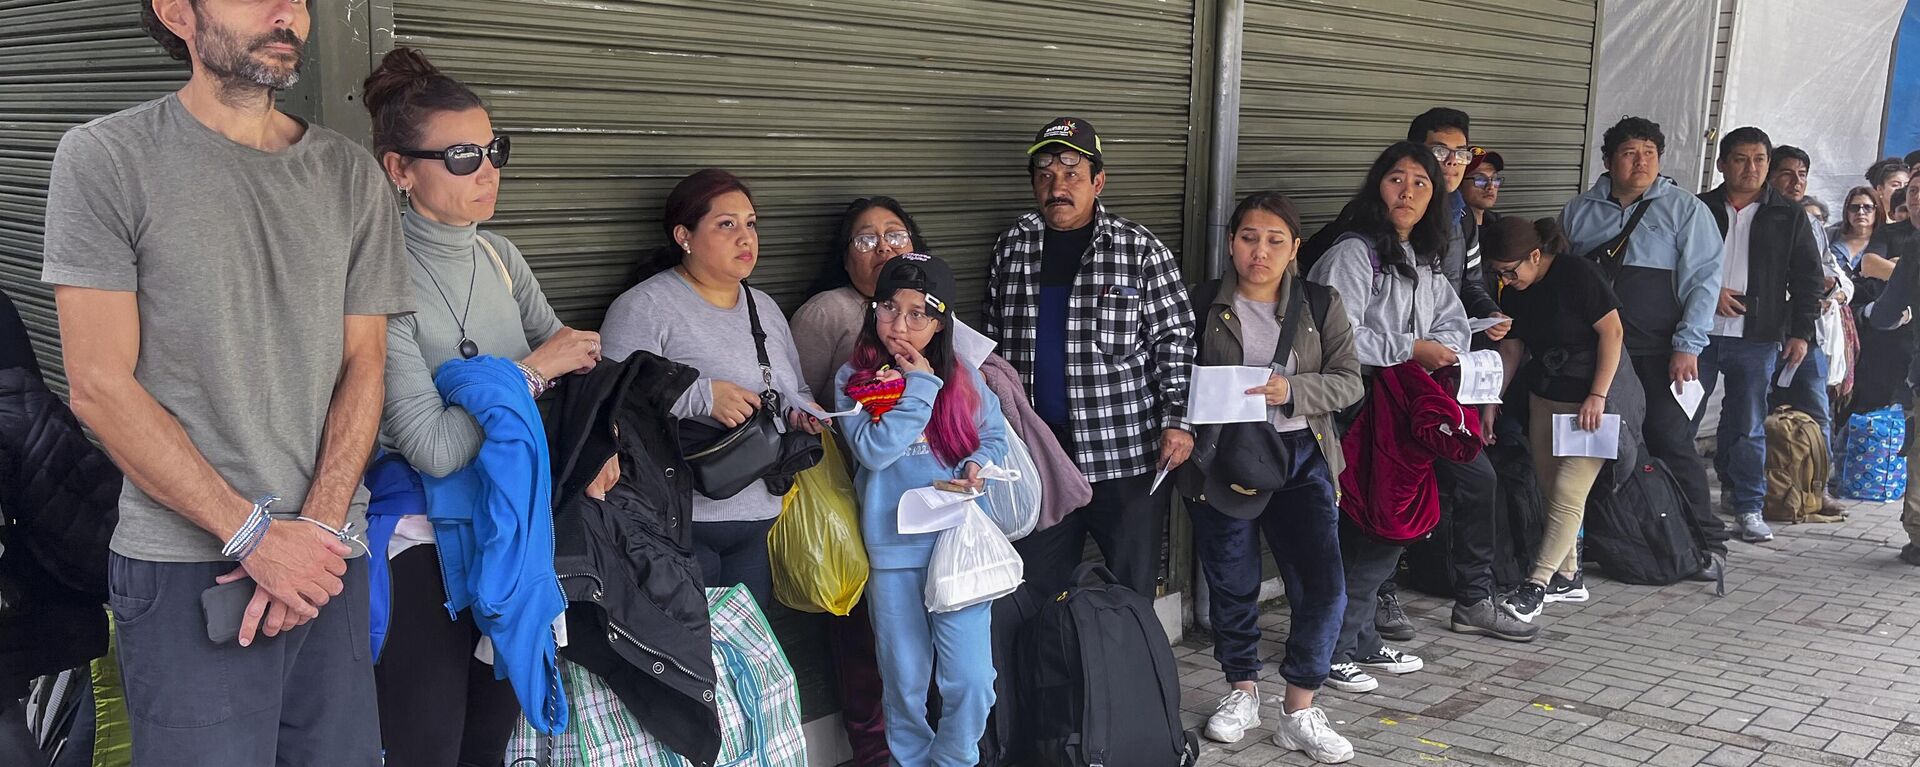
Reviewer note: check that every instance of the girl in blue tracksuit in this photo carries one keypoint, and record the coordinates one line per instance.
(927, 416)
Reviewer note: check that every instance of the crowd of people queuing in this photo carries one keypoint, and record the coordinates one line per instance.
(248, 352)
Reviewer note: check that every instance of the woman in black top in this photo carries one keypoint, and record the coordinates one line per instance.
(1566, 325)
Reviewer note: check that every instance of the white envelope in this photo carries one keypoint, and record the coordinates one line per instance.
(930, 510)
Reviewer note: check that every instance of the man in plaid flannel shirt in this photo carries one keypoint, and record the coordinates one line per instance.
(1089, 307)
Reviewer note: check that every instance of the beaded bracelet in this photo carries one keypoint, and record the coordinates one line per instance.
(536, 383)
(252, 532)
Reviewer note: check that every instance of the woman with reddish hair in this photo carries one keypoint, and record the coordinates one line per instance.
(693, 306)
(926, 417)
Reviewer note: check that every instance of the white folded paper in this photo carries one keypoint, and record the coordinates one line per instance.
(971, 346)
(930, 510)
(1218, 394)
(1689, 395)
(1482, 376)
(1570, 441)
(815, 411)
(1479, 324)
(1786, 374)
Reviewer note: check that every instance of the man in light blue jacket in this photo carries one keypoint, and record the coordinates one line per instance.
(1667, 274)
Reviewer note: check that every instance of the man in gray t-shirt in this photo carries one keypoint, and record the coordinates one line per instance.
(224, 273)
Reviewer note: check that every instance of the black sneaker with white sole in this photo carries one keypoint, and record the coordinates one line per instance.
(1525, 601)
(1564, 589)
(1347, 677)
(1390, 661)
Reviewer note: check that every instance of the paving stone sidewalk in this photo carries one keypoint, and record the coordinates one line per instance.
(1811, 658)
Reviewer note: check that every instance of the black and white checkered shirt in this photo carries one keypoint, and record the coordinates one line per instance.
(1129, 338)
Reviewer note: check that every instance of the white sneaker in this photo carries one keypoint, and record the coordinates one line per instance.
(1238, 713)
(1307, 730)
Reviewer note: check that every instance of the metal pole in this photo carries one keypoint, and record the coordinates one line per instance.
(1226, 133)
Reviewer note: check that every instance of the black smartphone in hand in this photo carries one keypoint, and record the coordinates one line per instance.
(225, 604)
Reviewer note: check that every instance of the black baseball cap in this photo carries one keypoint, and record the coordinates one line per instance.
(919, 271)
(1070, 132)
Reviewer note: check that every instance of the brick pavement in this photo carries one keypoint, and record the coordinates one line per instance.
(1812, 658)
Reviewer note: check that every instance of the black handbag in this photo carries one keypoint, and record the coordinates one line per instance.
(724, 462)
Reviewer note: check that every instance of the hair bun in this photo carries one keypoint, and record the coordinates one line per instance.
(400, 70)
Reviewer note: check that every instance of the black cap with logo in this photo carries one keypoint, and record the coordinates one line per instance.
(1070, 132)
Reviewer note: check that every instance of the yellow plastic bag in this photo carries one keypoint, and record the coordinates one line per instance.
(819, 561)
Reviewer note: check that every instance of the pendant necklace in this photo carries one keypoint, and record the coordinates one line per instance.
(468, 349)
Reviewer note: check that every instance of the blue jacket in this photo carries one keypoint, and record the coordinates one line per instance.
(894, 457)
(1671, 281)
(493, 522)
(394, 491)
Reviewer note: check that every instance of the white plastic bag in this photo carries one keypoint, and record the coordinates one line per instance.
(1015, 505)
(971, 564)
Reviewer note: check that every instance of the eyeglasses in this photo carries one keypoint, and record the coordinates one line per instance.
(1860, 207)
(898, 240)
(1070, 159)
(1462, 156)
(1508, 275)
(1487, 182)
(885, 313)
(464, 159)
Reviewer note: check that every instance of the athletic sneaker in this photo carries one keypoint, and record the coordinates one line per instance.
(1753, 529)
(1347, 677)
(1525, 601)
(1484, 618)
(1390, 620)
(1390, 661)
(1237, 713)
(1910, 554)
(1564, 589)
(1307, 730)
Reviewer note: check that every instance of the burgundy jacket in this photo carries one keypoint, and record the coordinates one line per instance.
(1409, 420)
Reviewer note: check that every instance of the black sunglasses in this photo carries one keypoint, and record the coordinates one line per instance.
(464, 159)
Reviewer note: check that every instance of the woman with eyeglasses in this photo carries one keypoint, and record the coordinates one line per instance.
(475, 295)
(928, 417)
(693, 306)
(1567, 331)
(826, 327)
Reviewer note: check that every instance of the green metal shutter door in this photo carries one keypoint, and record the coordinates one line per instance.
(62, 63)
(1327, 84)
(813, 105)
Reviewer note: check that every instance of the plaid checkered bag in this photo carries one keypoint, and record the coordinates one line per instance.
(758, 701)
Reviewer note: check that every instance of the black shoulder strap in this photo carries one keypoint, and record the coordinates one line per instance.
(1611, 255)
(759, 339)
(1319, 300)
(1289, 323)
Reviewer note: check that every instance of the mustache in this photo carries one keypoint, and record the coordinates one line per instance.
(279, 37)
(1059, 201)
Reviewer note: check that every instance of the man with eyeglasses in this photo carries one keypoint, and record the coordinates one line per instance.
(224, 274)
(1807, 391)
(1665, 268)
(1481, 190)
(1089, 307)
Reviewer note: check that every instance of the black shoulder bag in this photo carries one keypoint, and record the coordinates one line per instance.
(725, 462)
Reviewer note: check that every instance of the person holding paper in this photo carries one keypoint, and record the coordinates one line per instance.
(1273, 477)
(926, 416)
(1387, 270)
(1566, 328)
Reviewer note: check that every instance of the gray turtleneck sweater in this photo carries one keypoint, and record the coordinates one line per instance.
(438, 439)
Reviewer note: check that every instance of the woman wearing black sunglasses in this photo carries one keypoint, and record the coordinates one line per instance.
(475, 295)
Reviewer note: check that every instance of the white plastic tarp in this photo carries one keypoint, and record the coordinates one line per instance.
(1813, 73)
(1654, 59)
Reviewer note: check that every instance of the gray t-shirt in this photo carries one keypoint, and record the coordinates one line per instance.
(1260, 337)
(245, 264)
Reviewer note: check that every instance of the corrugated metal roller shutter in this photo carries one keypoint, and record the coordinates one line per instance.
(813, 104)
(1716, 90)
(62, 63)
(1327, 84)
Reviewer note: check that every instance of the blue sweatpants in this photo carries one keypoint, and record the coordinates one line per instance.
(909, 640)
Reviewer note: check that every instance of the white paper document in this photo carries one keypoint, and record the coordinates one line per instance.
(1480, 324)
(815, 411)
(971, 346)
(1689, 395)
(1569, 440)
(1482, 376)
(1218, 394)
(930, 510)
(1786, 374)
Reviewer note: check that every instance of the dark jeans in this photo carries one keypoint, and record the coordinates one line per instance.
(1807, 391)
(1123, 519)
(302, 697)
(1367, 561)
(1740, 441)
(1301, 524)
(856, 678)
(1669, 435)
(1466, 510)
(439, 705)
(735, 552)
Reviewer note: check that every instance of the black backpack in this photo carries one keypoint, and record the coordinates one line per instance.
(1637, 529)
(1004, 744)
(1098, 684)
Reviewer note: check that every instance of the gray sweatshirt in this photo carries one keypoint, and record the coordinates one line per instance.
(664, 315)
(439, 439)
(1389, 311)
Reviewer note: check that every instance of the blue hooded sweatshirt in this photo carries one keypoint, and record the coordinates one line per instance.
(493, 522)
(894, 456)
(1670, 283)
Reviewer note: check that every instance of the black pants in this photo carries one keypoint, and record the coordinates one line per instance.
(439, 706)
(1670, 437)
(1367, 562)
(17, 744)
(1123, 519)
(735, 553)
(1466, 510)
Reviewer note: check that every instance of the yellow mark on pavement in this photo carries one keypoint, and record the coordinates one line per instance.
(1434, 743)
